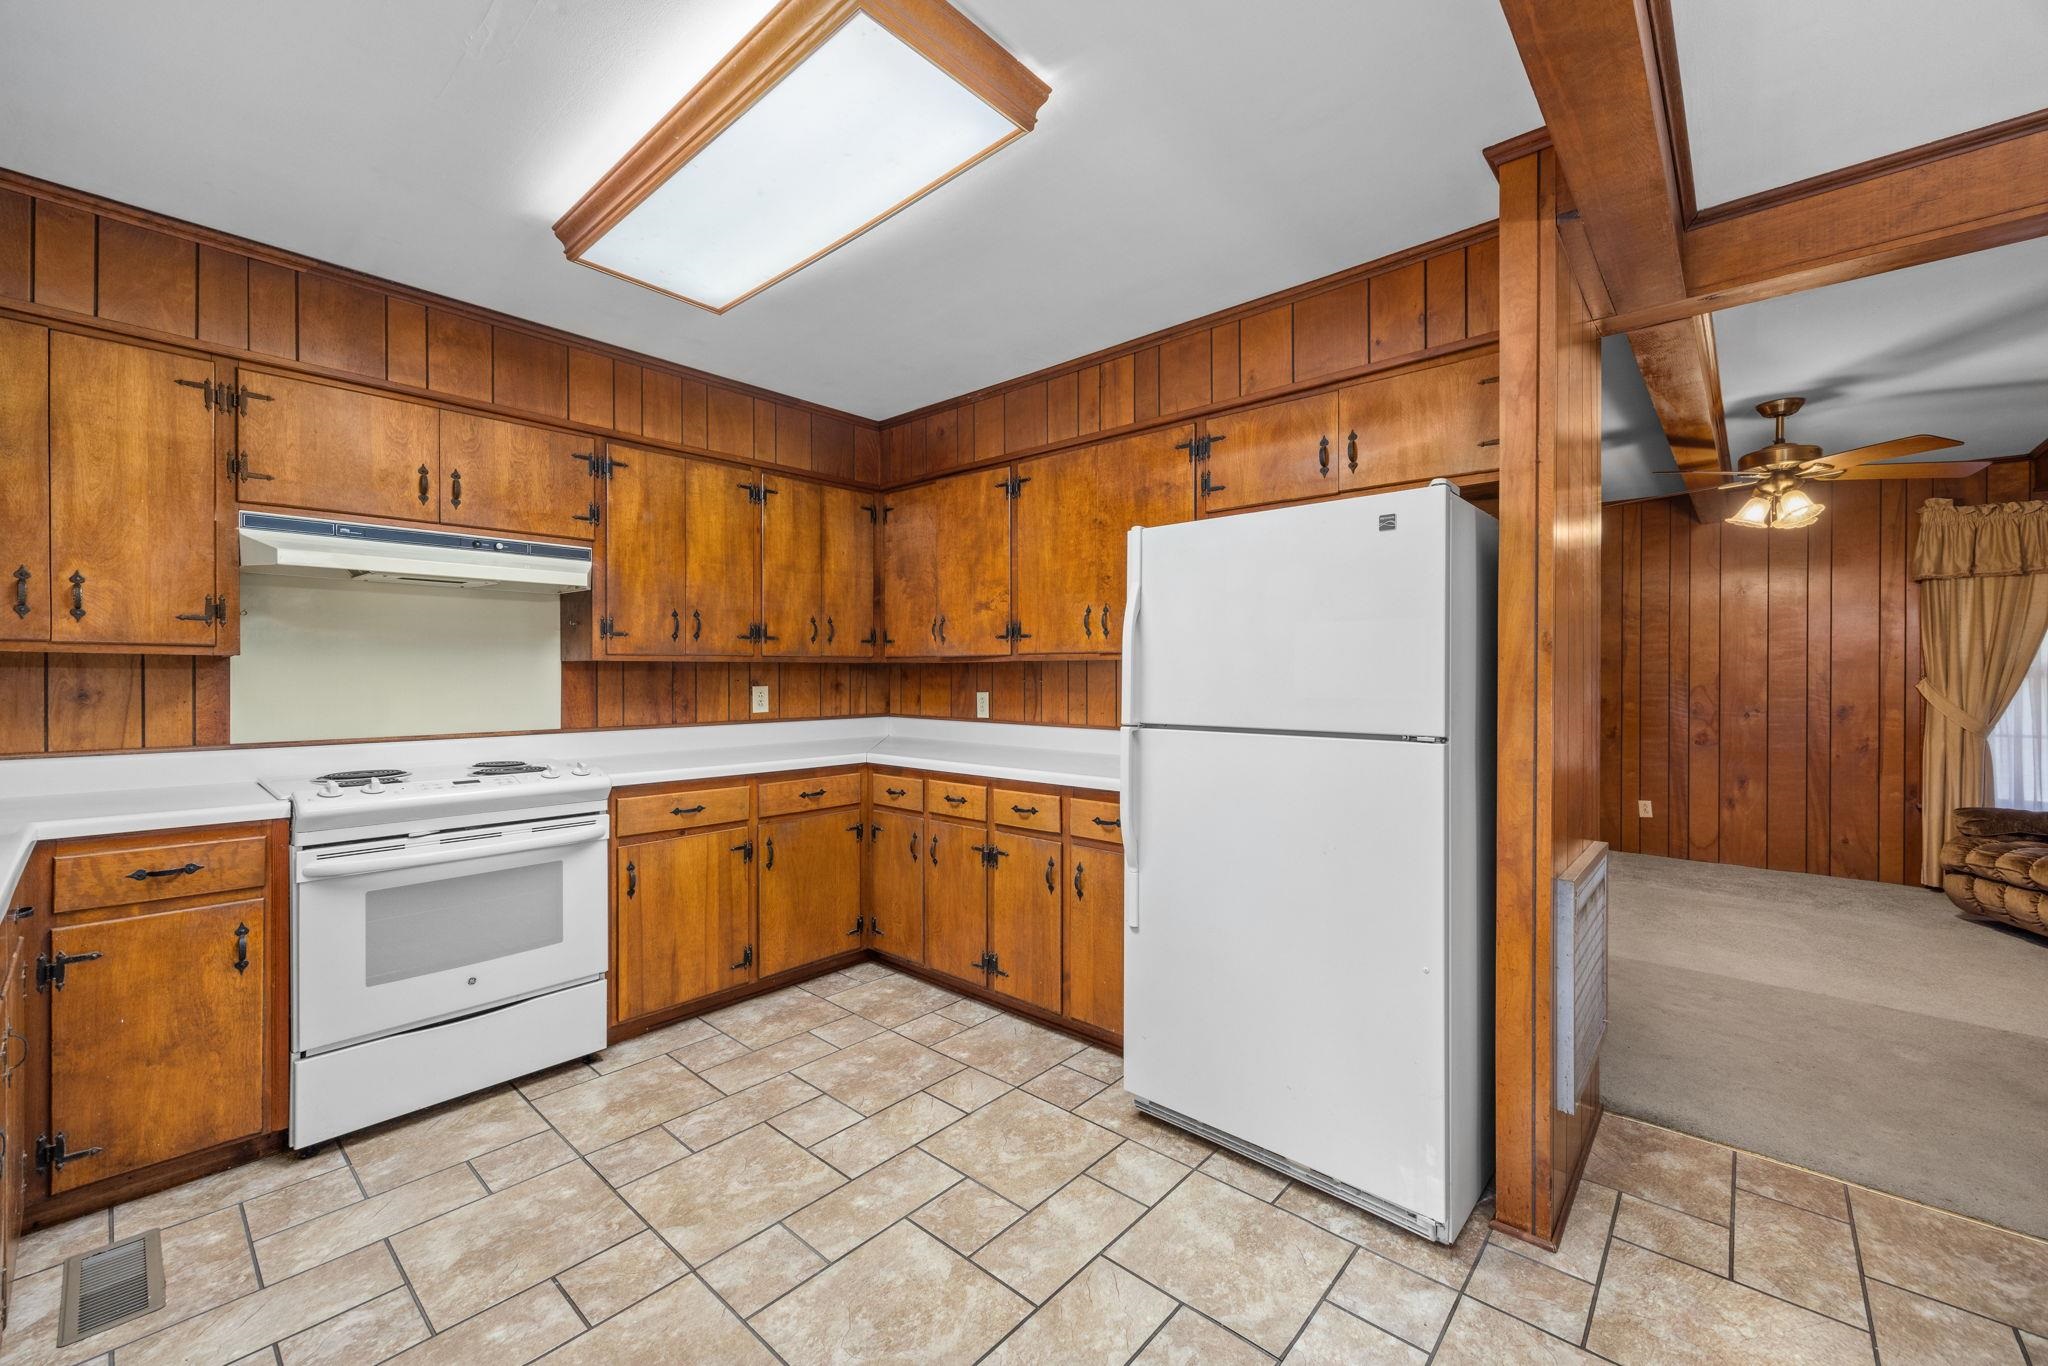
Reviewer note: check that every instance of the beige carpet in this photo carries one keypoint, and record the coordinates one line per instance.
(1855, 1027)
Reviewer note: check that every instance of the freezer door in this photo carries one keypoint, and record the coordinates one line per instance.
(1327, 618)
(1284, 970)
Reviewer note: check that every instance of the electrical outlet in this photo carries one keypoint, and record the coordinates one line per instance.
(981, 705)
(1643, 809)
(760, 692)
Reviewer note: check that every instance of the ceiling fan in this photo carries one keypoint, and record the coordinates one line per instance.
(1775, 473)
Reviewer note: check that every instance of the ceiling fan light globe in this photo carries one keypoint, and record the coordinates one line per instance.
(1790, 518)
(1757, 511)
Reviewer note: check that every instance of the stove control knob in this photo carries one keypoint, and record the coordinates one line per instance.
(580, 769)
(376, 785)
(328, 788)
(551, 772)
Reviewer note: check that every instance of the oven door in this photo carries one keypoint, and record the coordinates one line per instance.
(389, 935)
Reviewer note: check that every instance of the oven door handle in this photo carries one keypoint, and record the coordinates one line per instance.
(453, 849)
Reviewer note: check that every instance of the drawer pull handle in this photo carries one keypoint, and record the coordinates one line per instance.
(1025, 810)
(897, 791)
(1079, 868)
(696, 810)
(1108, 822)
(952, 800)
(807, 796)
(241, 948)
(144, 874)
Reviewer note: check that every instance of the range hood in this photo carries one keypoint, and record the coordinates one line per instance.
(370, 553)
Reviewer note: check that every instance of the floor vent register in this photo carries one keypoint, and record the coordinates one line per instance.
(111, 1286)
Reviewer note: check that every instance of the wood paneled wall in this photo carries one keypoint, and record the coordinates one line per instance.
(71, 703)
(1439, 296)
(67, 253)
(1758, 689)
(1074, 693)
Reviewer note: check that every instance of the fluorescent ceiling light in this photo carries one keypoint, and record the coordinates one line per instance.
(826, 119)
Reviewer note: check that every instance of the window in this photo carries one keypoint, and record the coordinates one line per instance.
(2019, 743)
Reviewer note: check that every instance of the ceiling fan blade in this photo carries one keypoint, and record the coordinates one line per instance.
(1887, 450)
(1690, 475)
(1932, 469)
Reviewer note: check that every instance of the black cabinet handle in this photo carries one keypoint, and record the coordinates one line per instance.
(21, 578)
(696, 624)
(425, 487)
(1351, 452)
(696, 810)
(952, 800)
(913, 846)
(1052, 872)
(1087, 615)
(455, 488)
(1323, 456)
(814, 630)
(143, 874)
(769, 861)
(1108, 823)
(810, 796)
(942, 628)
(831, 631)
(241, 948)
(935, 628)
(77, 596)
(675, 624)
(632, 880)
(1079, 868)
(1025, 810)
(933, 848)
(1105, 621)
(897, 791)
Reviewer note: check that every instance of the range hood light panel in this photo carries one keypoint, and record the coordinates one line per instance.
(826, 119)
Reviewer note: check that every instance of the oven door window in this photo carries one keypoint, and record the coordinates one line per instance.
(420, 928)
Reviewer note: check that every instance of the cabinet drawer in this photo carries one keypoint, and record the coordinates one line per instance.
(1095, 820)
(968, 801)
(905, 794)
(809, 794)
(157, 872)
(680, 810)
(1028, 810)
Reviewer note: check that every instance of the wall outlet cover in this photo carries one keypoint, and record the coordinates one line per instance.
(760, 696)
(981, 705)
(1643, 808)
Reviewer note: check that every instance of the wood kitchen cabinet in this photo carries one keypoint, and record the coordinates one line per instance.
(328, 448)
(956, 900)
(684, 907)
(792, 567)
(508, 476)
(1429, 423)
(133, 548)
(896, 883)
(25, 481)
(1093, 939)
(810, 888)
(645, 601)
(910, 572)
(1274, 453)
(848, 561)
(721, 559)
(1075, 510)
(1024, 917)
(946, 567)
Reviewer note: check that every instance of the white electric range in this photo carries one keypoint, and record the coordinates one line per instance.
(449, 931)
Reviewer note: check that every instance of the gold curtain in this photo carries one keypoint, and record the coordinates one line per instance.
(1983, 574)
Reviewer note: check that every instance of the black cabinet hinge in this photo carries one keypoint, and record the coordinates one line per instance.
(241, 472)
(1197, 447)
(869, 509)
(989, 854)
(757, 492)
(593, 515)
(225, 398)
(601, 464)
(1013, 485)
(51, 969)
(746, 959)
(859, 830)
(606, 630)
(745, 849)
(53, 1153)
(860, 926)
(1014, 632)
(991, 964)
(887, 508)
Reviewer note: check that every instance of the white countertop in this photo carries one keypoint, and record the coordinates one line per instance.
(63, 797)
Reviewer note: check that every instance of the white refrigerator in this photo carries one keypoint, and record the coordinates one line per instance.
(1308, 715)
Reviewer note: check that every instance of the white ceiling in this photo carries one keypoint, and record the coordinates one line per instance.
(1194, 154)
(1777, 91)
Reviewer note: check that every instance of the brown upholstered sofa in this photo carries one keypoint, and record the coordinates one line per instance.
(1996, 867)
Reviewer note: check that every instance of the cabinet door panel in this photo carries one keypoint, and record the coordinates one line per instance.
(24, 481)
(1273, 454)
(507, 476)
(849, 573)
(910, 573)
(810, 888)
(896, 873)
(156, 1047)
(1024, 918)
(955, 901)
(682, 920)
(974, 564)
(1423, 424)
(1073, 517)
(643, 578)
(722, 560)
(792, 571)
(131, 494)
(330, 449)
(1095, 936)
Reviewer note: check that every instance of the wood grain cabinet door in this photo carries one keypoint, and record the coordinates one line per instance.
(1432, 423)
(974, 568)
(1276, 453)
(1094, 940)
(1024, 918)
(896, 884)
(332, 449)
(910, 572)
(850, 518)
(810, 888)
(24, 481)
(682, 920)
(507, 476)
(132, 540)
(722, 560)
(13, 1109)
(955, 901)
(792, 566)
(1075, 511)
(157, 1042)
(643, 577)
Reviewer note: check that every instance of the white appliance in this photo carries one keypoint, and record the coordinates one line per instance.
(449, 931)
(370, 552)
(1308, 841)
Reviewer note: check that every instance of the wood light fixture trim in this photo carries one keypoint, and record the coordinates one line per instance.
(781, 42)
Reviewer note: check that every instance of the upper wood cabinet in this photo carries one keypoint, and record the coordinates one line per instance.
(133, 546)
(792, 566)
(328, 448)
(507, 476)
(1275, 453)
(910, 572)
(684, 919)
(810, 888)
(25, 481)
(1074, 513)
(1430, 423)
(645, 499)
(946, 567)
(848, 562)
(721, 559)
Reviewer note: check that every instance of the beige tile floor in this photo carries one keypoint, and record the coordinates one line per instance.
(869, 1168)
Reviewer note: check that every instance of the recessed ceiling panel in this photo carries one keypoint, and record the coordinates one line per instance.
(1776, 92)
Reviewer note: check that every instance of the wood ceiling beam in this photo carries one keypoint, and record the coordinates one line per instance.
(1601, 83)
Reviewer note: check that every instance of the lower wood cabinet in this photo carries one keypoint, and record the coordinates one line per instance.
(1024, 917)
(896, 884)
(956, 900)
(810, 888)
(683, 919)
(1094, 936)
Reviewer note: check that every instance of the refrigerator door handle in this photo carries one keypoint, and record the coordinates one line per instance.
(1128, 766)
(1133, 581)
